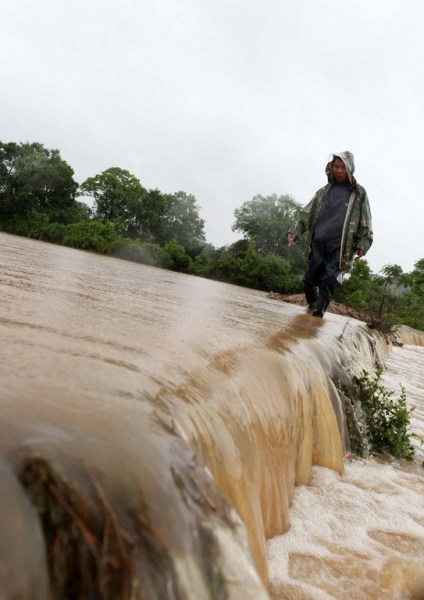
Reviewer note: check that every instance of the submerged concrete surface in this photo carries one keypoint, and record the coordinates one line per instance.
(153, 426)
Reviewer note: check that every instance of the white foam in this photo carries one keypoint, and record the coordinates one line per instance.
(366, 525)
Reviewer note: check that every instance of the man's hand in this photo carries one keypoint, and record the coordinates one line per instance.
(359, 253)
(292, 238)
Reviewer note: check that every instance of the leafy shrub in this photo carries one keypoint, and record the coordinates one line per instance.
(387, 419)
(90, 235)
(243, 265)
(177, 257)
(276, 276)
(36, 226)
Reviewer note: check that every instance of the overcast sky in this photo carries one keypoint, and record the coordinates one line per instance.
(228, 99)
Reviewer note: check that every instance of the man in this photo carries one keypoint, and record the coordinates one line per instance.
(338, 222)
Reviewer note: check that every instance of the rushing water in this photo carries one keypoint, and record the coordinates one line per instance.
(143, 413)
(360, 535)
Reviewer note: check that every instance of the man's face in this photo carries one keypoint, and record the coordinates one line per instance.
(339, 171)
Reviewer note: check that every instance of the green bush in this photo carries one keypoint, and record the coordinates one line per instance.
(387, 419)
(90, 235)
(36, 226)
(243, 265)
(276, 276)
(177, 257)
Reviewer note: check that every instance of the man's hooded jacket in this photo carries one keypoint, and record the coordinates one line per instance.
(357, 227)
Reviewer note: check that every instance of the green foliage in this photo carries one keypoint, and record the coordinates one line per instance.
(148, 216)
(90, 235)
(265, 220)
(181, 222)
(277, 276)
(223, 265)
(78, 211)
(242, 264)
(178, 259)
(387, 419)
(416, 278)
(33, 178)
(37, 226)
(85, 235)
(410, 309)
(116, 194)
(163, 218)
(389, 299)
(358, 289)
(402, 296)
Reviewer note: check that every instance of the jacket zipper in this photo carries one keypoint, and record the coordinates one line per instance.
(345, 225)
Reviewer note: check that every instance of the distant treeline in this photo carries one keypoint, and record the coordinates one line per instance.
(39, 198)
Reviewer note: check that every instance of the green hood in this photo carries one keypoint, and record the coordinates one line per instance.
(349, 162)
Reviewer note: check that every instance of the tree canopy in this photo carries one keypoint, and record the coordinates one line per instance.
(33, 179)
(149, 216)
(162, 218)
(181, 221)
(266, 221)
(116, 193)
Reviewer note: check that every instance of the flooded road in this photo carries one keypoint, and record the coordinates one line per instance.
(166, 418)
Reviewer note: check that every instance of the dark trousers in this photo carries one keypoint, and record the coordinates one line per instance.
(322, 273)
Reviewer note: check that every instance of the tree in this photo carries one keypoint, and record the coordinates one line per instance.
(117, 195)
(390, 298)
(393, 277)
(357, 289)
(411, 309)
(161, 218)
(182, 223)
(266, 221)
(33, 179)
(416, 278)
(388, 289)
(149, 216)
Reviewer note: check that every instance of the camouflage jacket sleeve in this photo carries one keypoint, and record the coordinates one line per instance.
(304, 220)
(364, 237)
(309, 213)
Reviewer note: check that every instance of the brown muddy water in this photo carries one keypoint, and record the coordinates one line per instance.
(360, 534)
(154, 427)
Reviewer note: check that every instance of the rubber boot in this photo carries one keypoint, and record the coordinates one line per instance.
(323, 301)
(320, 307)
(311, 295)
